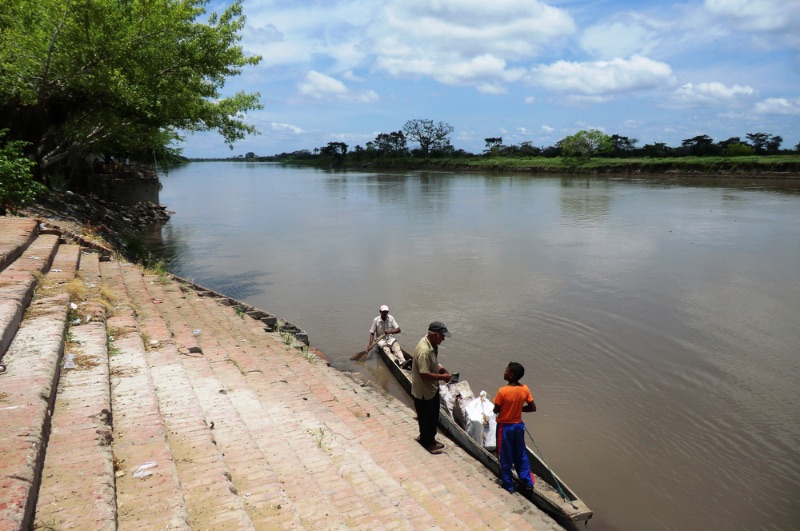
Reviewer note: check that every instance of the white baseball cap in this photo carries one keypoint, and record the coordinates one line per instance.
(384, 308)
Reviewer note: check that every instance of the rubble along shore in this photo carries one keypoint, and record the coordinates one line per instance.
(117, 225)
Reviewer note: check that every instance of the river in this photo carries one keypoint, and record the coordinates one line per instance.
(658, 320)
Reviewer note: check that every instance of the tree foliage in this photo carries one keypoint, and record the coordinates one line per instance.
(740, 150)
(429, 135)
(622, 146)
(585, 144)
(17, 187)
(702, 145)
(118, 76)
(764, 143)
(334, 149)
(575, 150)
(493, 142)
(389, 144)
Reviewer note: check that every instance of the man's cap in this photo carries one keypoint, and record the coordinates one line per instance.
(384, 308)
(438, 327)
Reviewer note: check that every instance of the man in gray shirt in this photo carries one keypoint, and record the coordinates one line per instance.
(426, 373)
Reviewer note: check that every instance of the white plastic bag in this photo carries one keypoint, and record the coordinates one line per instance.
(446, 397)
(481, 422)
(452, 395)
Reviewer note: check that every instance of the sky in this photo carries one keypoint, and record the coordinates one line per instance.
(524, 70)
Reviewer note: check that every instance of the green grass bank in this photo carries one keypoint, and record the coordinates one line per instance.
(771, 166)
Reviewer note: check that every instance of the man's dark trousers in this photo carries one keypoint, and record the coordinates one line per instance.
(428, 419)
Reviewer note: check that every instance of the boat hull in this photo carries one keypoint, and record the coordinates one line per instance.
(547, 494)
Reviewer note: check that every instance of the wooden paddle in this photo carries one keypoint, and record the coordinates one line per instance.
(361, 356)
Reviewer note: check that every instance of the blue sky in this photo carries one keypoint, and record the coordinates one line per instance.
(524, 70)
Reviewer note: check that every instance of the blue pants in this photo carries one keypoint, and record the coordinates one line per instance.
(512, 453)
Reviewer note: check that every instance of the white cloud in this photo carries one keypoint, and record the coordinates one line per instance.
(758, 24)
(778, 106)
(318, 85)
(598, 80)
(757, 15)
(350, 76)
(324, 87)
(273, 47)
(619, 39)
(713, 93)
(547, 129)
(408, 37)
(464, 42)
(483, 71)
(292, 32)
(286, 128)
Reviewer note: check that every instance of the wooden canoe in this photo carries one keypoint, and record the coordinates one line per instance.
(547, 494)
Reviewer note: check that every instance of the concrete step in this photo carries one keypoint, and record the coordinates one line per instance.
(301, 460)
(18, 282)
(77, 488)
(15, 236)
(149, 493)
(291, 458)
(229, 404)
(210, 497)
(27, 387)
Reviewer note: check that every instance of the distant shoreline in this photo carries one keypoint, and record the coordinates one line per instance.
(767, 167)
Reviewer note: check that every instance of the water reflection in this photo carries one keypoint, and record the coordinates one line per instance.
(656, 320)
(585, 200)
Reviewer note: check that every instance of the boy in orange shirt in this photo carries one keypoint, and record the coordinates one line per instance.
(510, 402)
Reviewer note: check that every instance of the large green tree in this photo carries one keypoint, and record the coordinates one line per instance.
(121, 77)
(585, 144)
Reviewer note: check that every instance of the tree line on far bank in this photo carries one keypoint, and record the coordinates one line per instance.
(422, 138)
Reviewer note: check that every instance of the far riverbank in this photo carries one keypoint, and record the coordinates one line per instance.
(771, 166)
(775, 167)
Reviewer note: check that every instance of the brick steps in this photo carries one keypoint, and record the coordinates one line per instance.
(211, 498)
(149, 492)
(232, 407)
(32, 364)
(180, 409)
(18, 282)
(16, 234)
(77, 486)
(243, 420)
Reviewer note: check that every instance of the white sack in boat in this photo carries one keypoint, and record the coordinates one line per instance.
(446, 397)
(480, 422)
(452, 394)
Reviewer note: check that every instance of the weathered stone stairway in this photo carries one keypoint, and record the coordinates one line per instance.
(135, 400)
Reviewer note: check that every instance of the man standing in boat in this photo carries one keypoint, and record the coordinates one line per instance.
(384, 327)
(426, 373)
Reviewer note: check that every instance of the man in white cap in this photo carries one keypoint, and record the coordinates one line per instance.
(384, 327)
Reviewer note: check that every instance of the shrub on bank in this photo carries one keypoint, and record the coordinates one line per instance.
(17, 187)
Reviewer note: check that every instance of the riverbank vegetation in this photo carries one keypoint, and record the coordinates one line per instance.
(424, 144)
(89, 81)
